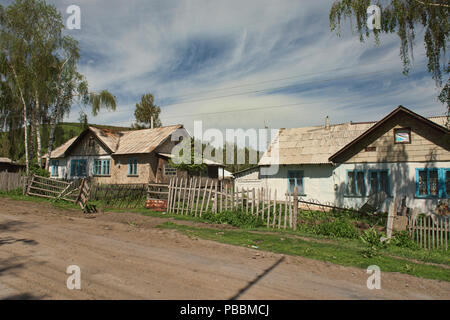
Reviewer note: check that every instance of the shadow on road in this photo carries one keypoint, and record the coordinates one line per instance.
(23, 296)
(11, 240)
(258, 278)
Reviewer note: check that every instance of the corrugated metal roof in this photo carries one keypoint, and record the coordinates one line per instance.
(59, 151)
(315, 145)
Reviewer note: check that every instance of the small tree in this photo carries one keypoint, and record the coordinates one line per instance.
(144, 112)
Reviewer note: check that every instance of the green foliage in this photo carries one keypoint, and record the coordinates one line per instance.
(403, 17)
(403, 240)
(340, 228)
(372, 240)
(238, 219)
(144, 111)
(34, 168)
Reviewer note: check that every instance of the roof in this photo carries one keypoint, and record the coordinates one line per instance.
(205, 161)
(5, 160)
(122, 142)
(312, 145)
(316, 144)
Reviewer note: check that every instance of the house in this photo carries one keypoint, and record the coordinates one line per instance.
(7, 165)
(350, 164)
(119, 157)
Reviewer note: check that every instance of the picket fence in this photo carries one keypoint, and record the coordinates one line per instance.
(189, 196)
(430, 232)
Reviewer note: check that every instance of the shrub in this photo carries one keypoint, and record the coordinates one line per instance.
(340, 228)
(237, 219)
(372, 239)
(403, 239)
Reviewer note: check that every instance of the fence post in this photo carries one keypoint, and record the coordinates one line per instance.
(294, 220)
(391, 216)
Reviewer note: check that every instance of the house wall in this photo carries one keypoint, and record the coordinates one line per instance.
(426, 144)
(327, 183)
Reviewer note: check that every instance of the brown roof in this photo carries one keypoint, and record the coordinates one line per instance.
(315, 145)
(123, 142)
(145, 140)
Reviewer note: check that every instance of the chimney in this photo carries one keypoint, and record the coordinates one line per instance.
(151, 122)
(327, 123)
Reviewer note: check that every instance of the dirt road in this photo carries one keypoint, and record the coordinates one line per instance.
(123, 256)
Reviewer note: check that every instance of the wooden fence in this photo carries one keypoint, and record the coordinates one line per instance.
(120, 195)
(430, 232)
(11, 181)
(53, 189)
(190, 197)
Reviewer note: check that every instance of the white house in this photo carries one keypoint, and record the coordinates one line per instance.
(403, 155)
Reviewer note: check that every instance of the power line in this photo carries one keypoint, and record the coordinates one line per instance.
(276, 88)
(267, 81)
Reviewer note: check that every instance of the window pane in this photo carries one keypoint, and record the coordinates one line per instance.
(291, 185)
(351, 183)
(373, 182)
(434, 182)
(423, 183)
(447, 182)
(360, 183)
(384, 182)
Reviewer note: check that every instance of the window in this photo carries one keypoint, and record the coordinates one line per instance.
(78, 168)
(132, 167)
(402, 135)
(54, 164)
(101, 167)
(433, 182)
(295, 178)
(378, 181)
(170, 171)
(355, 183)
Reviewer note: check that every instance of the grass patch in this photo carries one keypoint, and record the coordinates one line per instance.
(346, 253)
(18, 196)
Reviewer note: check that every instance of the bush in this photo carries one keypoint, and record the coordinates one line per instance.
(39, 171)
(340, 228)
(372, 239)
(403, 240)
(237, 219)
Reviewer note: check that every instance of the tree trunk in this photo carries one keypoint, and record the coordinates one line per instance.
(51, 138)
(37, 128)
(25, 119)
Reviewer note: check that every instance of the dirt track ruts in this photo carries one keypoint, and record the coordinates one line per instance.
(123, 256)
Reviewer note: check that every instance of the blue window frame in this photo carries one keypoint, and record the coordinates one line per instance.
(355, 183)
(78, 168)
(295, 179)
(433, 183)
(378, 181)
(102, 167)
(55, 165)
(133, 166)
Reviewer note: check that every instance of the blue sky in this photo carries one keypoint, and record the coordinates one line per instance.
(206, 56)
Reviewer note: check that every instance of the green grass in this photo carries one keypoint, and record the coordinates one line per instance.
(17, 195)
(344, 252)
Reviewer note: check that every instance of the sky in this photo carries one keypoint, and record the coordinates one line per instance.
(242, 64)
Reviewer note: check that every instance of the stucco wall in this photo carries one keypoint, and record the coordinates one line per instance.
(327, 183)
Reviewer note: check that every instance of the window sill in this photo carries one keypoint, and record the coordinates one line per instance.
(427, 197)
(132, 175)
(102, 175)
(354, 196)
